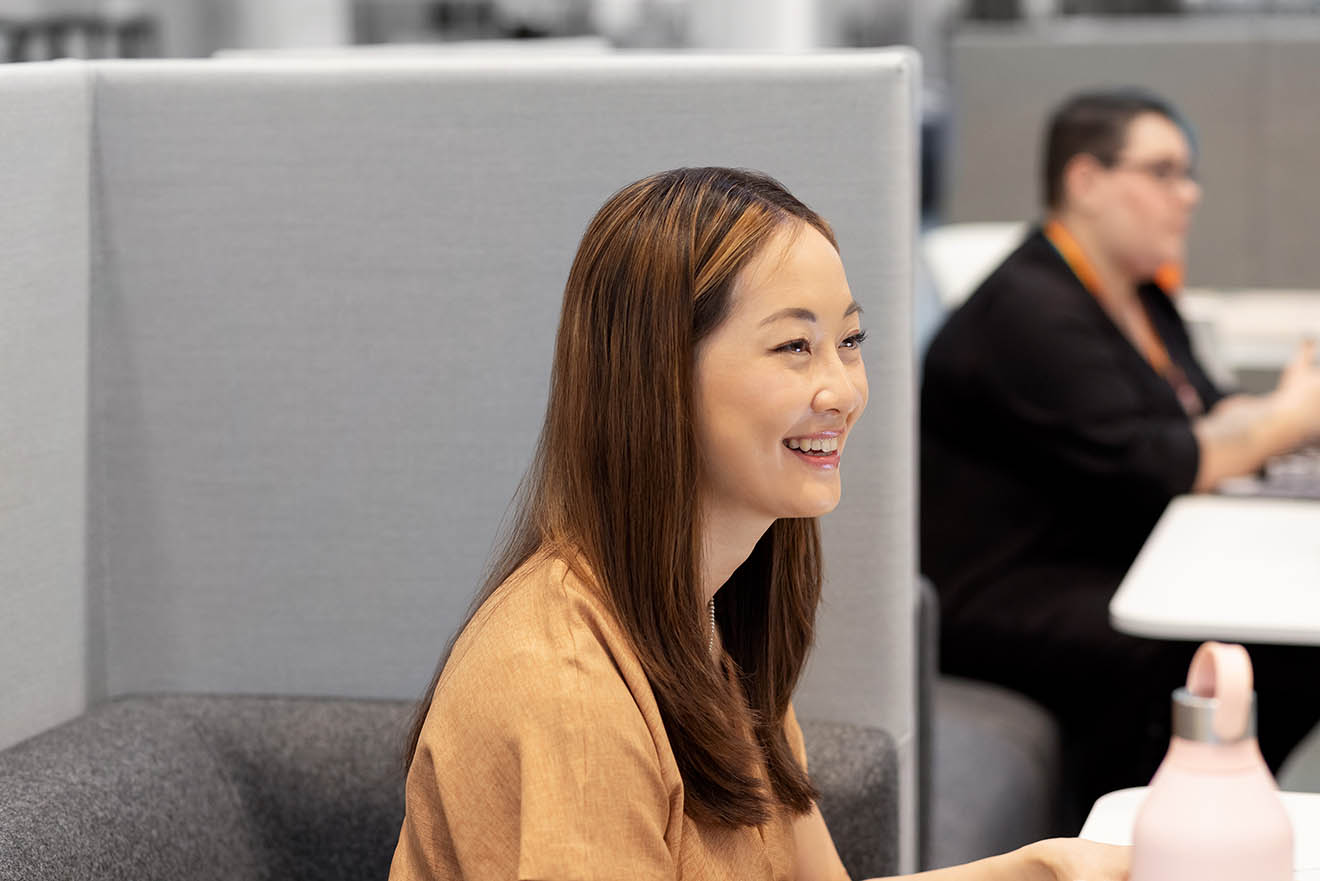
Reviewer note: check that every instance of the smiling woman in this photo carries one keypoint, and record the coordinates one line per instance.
(618, 705)
(779, 385)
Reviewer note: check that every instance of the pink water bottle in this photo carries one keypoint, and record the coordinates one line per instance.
(1213, 812)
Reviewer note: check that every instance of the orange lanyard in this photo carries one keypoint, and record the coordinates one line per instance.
(1150, 345)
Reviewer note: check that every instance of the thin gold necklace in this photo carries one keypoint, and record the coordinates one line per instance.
(710, 643)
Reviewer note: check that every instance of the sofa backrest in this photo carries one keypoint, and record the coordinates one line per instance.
(319, 307)
(230, 788)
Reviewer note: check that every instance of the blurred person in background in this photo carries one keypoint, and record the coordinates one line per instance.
(1062, 409)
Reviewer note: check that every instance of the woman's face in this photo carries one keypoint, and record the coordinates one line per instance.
(780, 383)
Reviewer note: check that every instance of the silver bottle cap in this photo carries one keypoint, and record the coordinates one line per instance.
(1194, 718)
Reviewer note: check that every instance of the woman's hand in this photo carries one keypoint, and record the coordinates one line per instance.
(1076, 859)
(1055, 859)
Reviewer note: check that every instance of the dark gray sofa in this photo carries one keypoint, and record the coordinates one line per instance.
(991, 760)
(996, 777)
(167, 788)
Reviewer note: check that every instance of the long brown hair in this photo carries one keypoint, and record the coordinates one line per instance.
(616, 472)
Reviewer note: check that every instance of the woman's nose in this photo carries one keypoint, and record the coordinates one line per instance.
(839, 389)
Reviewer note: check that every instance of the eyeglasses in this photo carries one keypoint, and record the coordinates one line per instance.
(1164, 171)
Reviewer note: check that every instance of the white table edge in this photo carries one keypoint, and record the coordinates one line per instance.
(1112, 816)
(1198, 631)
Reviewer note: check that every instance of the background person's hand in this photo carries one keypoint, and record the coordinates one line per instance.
(1298, 390)
(1076, 859)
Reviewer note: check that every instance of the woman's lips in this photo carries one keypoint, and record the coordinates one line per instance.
(827, 462)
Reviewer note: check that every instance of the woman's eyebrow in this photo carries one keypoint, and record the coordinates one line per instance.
(807, 314)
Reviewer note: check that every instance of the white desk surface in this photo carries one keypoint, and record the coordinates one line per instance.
(1253, 328)
(1110, 821)
(1219, 567)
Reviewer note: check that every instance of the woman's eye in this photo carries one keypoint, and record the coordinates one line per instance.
(796, 347)
(855, 341)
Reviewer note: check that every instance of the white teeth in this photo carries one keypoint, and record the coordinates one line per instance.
(819, 445)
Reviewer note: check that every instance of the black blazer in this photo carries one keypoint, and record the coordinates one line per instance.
(1049, 445)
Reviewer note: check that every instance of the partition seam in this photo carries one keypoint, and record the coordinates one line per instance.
(95, 570)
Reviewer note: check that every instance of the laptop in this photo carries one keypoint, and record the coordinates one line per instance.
(1293, 476)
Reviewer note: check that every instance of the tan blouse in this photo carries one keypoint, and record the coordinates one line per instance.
(544, 757)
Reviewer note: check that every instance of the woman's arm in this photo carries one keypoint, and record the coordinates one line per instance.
(1055, 859)
(1243, 431)
(815, 856)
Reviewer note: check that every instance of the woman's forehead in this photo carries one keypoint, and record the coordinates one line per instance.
(797, 264)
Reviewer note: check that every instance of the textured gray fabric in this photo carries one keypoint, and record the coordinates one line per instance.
(997, 772)
(321, 781)
(1006, 80)
(43, 395)
(856, 771)
(325, 299)
(177, 787)
(990, 761)
(248, 788)
(130, 791)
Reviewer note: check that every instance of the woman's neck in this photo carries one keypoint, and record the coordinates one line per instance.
(728, 540)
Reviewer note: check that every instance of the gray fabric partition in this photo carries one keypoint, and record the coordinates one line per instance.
(1286, 166)
(323, 305)
(1006, 80)
(276, 340)
(44, 112)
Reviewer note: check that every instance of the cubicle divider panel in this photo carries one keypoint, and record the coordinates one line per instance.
(323, 313)
(43, 396)
(1006, 80)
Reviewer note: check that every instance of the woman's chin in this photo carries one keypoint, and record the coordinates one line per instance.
(816, 505)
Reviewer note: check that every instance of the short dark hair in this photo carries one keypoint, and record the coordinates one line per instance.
(1096, 123)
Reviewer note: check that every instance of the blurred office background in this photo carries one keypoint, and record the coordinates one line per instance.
(44, 29)
(33, 30)
(1239, 69)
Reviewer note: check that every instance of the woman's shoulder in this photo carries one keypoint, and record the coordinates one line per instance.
(542, 644)
(539, 608)
(541, 734)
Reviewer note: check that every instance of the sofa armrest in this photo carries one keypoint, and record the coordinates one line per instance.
(229, 788)
(856, 771)
(127, 791)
